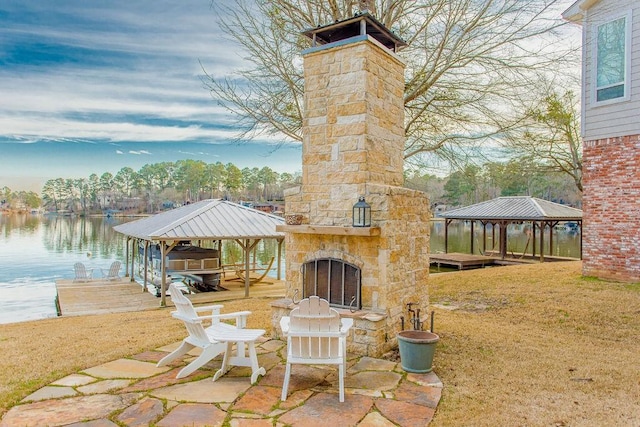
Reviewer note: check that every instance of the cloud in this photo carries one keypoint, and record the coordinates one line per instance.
(31, 128)
(120, 61)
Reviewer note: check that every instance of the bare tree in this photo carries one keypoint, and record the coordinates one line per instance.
(550, 133)
(467, 61)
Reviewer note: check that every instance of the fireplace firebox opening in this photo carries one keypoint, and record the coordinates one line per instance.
(334, 280)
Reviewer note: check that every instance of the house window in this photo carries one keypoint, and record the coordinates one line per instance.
(613, 59)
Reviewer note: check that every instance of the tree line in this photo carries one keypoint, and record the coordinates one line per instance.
(19, 200)
(163, 185)
(474, 184)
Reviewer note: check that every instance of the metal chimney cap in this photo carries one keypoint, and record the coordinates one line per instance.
(360, 24)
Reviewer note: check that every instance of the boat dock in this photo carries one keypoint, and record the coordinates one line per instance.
(468, 261)
(461, 261)
(101, 296)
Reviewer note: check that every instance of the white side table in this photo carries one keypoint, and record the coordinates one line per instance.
(242, 338)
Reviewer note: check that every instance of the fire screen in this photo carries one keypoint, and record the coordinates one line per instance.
(334, 280)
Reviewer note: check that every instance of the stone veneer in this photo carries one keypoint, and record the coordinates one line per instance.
(611, 208)
(353, 144)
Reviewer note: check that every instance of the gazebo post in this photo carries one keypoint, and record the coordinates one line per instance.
(472, 224)
(484, 237)
(164, 251)
(446, 235)
(126, 257)
(247, 265)
(163, 274)
(134, 244)
(543, 225)
(580, 225)
(533, 239)
(503, 239)
(146, 265)
(280, 242)
(493, 236)
(247, 246)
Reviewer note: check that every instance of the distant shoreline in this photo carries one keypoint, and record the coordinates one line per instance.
(67, 214)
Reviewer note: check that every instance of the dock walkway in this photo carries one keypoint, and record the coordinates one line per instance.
(101, 296)
(461, 261)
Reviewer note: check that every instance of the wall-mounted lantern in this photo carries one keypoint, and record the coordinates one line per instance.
(361, 213)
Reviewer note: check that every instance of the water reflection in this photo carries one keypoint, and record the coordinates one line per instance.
(91, 236)
(566, 241)
(25, 223)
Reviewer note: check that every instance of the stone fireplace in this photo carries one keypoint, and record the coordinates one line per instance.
(334, 280)
(353, 141)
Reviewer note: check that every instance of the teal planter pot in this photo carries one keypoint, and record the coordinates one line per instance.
(416, 350)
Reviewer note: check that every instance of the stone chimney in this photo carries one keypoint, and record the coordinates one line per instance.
(353, 145)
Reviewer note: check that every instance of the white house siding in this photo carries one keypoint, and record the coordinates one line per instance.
(621, 118)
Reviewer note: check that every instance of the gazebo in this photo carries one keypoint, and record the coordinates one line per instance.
(503, 211)
(207, 220)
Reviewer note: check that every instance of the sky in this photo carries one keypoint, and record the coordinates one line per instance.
(94, 86)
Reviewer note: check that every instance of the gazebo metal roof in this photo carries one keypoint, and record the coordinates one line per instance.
(515, 208)
(212, 219)
(206, 220)
(503, 211)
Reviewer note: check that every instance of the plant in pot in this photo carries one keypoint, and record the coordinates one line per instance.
(416, 346)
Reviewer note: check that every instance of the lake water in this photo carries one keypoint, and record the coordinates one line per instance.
(35, 251)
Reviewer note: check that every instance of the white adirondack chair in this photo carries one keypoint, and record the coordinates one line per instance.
(114, 271)
(315, 335)
(82, 274)
(199, 336)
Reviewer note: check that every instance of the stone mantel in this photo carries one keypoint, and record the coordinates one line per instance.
(332, 230)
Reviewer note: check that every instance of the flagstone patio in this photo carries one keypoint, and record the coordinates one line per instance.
(134, 392)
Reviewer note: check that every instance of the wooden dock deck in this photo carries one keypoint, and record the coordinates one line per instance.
(468, 261)
(461, 261)
(102, 297)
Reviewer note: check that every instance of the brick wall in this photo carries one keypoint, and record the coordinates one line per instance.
(611, 208)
